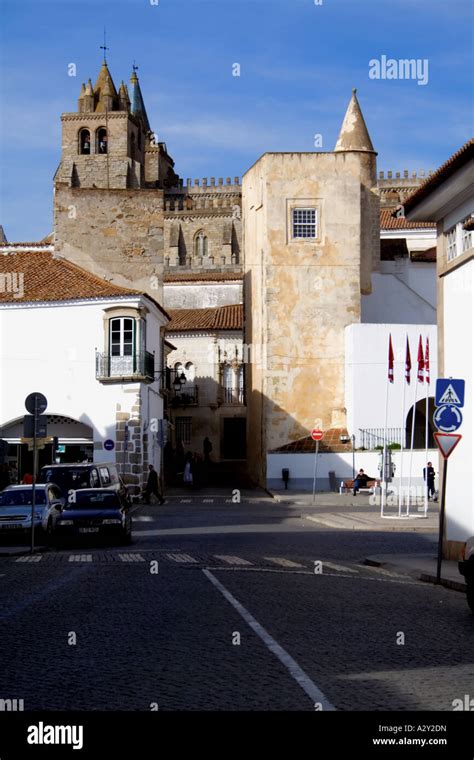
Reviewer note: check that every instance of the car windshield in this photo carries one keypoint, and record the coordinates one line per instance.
(94, 500)
(67, 478)
(21, 497)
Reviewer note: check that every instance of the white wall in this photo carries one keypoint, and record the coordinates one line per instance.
(403, 292)
(301, 467)
(458, 363)
(201, 295)
(50, 348)
(367, 368)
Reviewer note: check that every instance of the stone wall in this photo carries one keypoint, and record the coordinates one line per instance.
(301, 294)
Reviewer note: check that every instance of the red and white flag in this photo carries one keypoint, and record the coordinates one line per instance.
(390, 359)
(427, 361)
(408, 363)
(421, 362)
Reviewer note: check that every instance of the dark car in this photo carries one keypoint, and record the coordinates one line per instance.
(71, 477)
(94, 513)
(466, 568)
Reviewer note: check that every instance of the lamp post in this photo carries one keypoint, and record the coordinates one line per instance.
(346, 439)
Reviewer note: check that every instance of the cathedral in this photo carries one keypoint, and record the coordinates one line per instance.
(257, 280)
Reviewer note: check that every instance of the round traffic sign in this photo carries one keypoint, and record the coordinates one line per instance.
(447, 418)
(316, 434)
(36, 402)
(109, 444)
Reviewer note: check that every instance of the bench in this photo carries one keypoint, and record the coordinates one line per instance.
(347, 486)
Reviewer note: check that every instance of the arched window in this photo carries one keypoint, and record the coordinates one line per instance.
(190, 372)
(102, 140)
(122, 346)
(84, 142)
(132, 145)
(200, 244)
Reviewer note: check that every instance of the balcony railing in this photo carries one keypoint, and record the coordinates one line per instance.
(187, 396)
(137, 367)
(233, 395)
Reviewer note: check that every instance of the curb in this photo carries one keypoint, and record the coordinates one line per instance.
(420, 575)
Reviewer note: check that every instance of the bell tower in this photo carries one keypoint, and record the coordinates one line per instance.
(109, 186)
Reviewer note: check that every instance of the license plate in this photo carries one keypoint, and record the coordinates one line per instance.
(11, 527)
(88, 530)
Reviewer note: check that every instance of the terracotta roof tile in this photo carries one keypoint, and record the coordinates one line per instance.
(46, 278)
(202, 277)
(329, 443)
(389, 222)
(220, 318)
(455, 162)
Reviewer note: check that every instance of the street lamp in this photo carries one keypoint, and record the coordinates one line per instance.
(179, 381)
(346, 439)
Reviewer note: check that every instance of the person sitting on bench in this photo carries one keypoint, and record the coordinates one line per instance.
(361, 481)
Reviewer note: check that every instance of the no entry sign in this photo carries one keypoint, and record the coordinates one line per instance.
(316, 434)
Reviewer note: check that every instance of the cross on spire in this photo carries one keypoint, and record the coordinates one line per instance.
(104, 47)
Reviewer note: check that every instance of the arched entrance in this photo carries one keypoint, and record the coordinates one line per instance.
(420, 422)
(74, 444)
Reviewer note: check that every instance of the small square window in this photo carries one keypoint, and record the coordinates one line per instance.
(304, 223)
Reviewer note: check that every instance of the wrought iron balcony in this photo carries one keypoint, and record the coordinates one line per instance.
(138, 367)
(187, 396)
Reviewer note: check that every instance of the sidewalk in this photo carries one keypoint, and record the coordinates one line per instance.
(349, 512)
(422, 567)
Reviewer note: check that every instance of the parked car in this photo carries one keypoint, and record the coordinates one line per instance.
(15, 507)
(466, 568)
(70, 477)
(94, 513)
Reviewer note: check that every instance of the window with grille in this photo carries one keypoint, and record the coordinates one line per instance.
(466, 237)
(183, 429)
(451, 243)
(304, 223)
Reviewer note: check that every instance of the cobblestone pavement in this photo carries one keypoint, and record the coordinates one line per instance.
(238, 620)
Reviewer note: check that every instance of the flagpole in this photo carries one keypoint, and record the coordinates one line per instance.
(400, 498)
(384, 454)
(412, 443)
(427, 381)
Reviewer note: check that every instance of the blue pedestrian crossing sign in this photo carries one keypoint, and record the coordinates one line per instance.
(447, 418)
(449, 392)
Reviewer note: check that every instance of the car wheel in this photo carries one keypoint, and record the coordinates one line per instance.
(49, 533)
(470, 594)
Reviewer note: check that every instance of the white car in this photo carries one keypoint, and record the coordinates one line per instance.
(15, 508)
(466, 568)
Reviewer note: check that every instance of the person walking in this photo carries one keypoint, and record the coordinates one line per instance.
(207, 448)
(152, 486)
(429, 477)
(188, 469)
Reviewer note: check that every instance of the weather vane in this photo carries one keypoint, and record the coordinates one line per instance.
(134, 67)
(104, 48)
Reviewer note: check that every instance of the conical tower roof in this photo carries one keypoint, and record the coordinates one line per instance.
(137, 106)
(354, 134)
(104, 86)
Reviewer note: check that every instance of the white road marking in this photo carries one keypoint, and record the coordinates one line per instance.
(342, 568)
(134, 557)
(296, 672)
(208, 501)
(80, 558)
(231, 560)
(182, 558)
(185, 501)
(283, 562)
(31, 558)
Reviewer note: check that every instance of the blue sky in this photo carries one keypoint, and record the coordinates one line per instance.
(299, 62)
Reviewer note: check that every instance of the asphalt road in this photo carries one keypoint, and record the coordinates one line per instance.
(221, 606)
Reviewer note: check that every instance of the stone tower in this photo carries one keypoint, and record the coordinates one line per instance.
(311, 240)
(110, 184)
